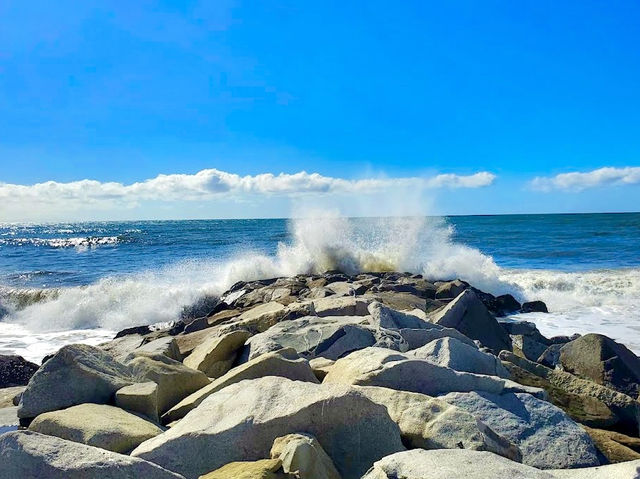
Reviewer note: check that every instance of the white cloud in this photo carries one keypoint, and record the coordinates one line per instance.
(212, 183)
(578, 181)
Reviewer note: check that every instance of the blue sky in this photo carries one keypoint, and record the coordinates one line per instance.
(399, 93)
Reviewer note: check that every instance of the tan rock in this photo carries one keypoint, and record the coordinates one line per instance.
(282, 363)
(98, 425)
(302, 455)
(175, 380)
(215, 356)
(262, 469)
(321, 367)
(141, 398)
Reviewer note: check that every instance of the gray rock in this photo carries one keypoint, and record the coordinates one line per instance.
(241, 421)
(600, 359)
(417, 338)
(457, 355)
(329, 337)
(468, 314)
(547, 437)
(384, 317)
(76, 374)
(15, 371)
(29, 455)
(451, 464)
(430, 423)
(98, 425)
(551, 356)
(385, 368)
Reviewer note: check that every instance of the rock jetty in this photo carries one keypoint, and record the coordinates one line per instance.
(331, 376)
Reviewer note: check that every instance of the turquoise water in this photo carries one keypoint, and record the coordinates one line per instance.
(68, 282)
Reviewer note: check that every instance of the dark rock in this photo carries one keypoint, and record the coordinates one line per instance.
(534, 307)
(451, 289)
(614, 446)
(550, 356)
(600, 359)
(200, 308)
(142, 330)
(15, 371)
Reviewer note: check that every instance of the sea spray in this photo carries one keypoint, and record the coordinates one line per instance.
(323, 242)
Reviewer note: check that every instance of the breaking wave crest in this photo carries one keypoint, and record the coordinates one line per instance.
(75, 242)
(418, 245)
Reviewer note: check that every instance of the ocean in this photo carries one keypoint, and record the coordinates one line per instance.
(82, 282)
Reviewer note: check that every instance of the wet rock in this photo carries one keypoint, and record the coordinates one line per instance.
(15, 371)
(534, 307)
(451, 289)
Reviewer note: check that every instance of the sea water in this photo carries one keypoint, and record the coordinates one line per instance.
(82, 282)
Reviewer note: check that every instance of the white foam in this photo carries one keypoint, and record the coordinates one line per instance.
(580, 302)
(74, 242)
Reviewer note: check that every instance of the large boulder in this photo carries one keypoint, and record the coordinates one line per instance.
(457, 355)
(215, 356)
(468, 314)
(430, 423)
(451, 464)
(384, 317)
(15, 371)
(166, 345)
(329, 337)
(97, 425)
(175, 380)
(612, 408)
(386, 368)
(602, 360)
(29, 455)
(241, 421)
(140, 398)
(547, 437)
(76, 374)
(341, 306)
(450, 289)
(302, 455)
(625, 470)
(284, 363)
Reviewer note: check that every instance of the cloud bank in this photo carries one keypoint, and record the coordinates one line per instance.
(212, 183)
(578, 181)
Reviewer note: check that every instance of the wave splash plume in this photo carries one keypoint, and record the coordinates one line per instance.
(317, 244)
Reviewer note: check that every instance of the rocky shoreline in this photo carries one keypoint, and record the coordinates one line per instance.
(374, 376)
